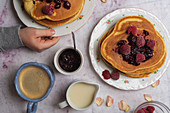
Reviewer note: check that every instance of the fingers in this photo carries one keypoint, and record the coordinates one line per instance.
(49, 43)
(44, 32)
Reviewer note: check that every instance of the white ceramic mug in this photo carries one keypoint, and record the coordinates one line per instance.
(67, 102)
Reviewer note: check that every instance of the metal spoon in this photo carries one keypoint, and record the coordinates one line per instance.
(73, 36)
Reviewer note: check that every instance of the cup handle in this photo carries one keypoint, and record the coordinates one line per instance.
(63, 104)
(32, 107)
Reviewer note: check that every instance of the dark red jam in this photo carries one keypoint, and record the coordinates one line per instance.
(69, 60)
(136, 48)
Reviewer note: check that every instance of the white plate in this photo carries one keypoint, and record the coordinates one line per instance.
(126, 83)
(61, 30)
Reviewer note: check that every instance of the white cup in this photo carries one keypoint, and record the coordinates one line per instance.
(56, 63)
(67, 102)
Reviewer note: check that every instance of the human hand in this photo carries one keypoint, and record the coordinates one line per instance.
(33, 38)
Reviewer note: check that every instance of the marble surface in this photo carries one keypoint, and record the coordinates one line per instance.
(11, 60)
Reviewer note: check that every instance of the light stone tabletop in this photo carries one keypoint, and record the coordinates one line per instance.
(11, 60)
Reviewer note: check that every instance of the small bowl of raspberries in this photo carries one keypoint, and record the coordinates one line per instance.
(152, 107)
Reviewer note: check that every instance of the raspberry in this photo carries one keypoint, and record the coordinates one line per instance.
(125, 49)
(140, 57)
(48, 9)
(145, 110)
(140, 41)
(106, 74)
(151, 109)
(132, 30)
(115, 75)
(151, 44)
(140, 111)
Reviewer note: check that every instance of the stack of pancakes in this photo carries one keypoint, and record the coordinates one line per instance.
(109, 42)
(60, 16)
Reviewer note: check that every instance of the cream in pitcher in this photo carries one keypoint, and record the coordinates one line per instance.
(81, 94)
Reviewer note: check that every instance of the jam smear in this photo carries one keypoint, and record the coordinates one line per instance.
(69, 60)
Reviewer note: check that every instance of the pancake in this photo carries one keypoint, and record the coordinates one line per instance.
(137, 74)
(59, 14)
(49, 23)
(119, 33)
(60, 17)
(28, 6)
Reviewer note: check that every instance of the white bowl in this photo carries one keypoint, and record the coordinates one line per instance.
(56, 63)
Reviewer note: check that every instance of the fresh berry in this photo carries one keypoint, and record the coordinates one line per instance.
(106, 74)
(64, 0)
(48, 1)
(125, 49)
(48, 9)
(67, 5)
(121, 42)
(148, 50)
(146, 32)
(115, 75)
(132, 30)
(137, 48)
(151, 44)
(151, 109)
(145, 110)
(128, 57)
(57, 1)
(140, 41)
(140, 57)
(134, 50)
(132, 40)
(57, 5)
(140, 111)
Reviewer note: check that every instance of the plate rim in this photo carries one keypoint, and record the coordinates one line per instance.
(130, 8)
(61, 34)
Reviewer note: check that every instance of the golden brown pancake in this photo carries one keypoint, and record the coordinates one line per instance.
(138, 73)
(119, 33)
(146, 70)
(59, 14)
(59, 23)
(60, 17)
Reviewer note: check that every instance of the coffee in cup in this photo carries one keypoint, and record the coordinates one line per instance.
(34, 82)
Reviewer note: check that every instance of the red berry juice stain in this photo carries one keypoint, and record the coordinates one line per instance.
(4, 66)
(7, 58)
(4, 13)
